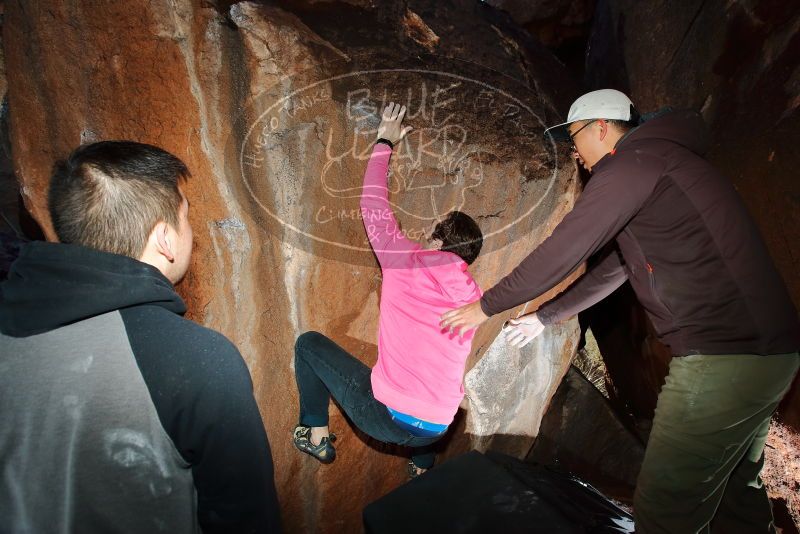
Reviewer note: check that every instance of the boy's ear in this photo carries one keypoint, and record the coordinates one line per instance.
(164, 242)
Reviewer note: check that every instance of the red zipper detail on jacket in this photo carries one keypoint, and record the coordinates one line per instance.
(652, 278)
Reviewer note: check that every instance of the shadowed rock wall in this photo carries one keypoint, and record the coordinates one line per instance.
(273, 109)
(584, 435)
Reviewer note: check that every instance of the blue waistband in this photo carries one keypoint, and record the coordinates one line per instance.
(416, 426)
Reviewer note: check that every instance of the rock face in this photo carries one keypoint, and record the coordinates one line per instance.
(552, 21)
(582, 434)
(636, 362)
(738, 63)
(273, 110)
(503, 388)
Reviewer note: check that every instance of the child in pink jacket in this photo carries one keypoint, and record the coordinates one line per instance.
(412, 394)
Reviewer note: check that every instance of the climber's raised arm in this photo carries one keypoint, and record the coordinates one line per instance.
(381, 226)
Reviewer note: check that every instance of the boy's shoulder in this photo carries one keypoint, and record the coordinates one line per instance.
(157, 334)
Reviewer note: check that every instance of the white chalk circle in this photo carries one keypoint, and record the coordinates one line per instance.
(439, 153)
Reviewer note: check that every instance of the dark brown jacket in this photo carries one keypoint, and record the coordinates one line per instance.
(686, 242)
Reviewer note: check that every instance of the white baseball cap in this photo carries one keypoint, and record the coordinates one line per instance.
(602, 104)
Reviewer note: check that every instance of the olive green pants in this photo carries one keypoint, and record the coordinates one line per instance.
(706, 449)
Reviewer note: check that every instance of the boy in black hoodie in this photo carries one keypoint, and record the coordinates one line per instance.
(119, 414)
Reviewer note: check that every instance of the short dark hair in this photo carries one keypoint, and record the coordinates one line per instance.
(461, 235)
(110, 195)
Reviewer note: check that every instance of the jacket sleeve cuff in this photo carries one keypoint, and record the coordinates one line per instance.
(547, 315)
(484, 307)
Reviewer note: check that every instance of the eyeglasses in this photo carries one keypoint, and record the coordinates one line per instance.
(574, 135)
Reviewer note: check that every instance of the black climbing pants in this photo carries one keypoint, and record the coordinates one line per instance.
(323, 370)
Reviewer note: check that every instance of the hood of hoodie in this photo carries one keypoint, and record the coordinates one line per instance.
(684, 127)
(53, 285)
(449, 273)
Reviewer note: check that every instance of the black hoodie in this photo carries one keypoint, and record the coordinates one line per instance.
(196, 381)
(685, 241)
(53, 285)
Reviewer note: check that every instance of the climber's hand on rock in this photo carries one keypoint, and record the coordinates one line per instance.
(391, 126)
(462, 320)
(519, 332)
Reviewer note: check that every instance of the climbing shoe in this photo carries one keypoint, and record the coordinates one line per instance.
(412, 470)
(324, 452)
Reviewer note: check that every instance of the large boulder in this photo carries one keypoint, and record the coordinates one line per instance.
(554, 22)
(273, 109)
(583, 434)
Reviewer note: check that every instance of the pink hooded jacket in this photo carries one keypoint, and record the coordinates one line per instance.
(420, 367)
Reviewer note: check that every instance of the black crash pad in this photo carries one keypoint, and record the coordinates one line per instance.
(477, 493)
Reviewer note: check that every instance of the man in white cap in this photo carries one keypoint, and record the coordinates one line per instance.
(696, 261)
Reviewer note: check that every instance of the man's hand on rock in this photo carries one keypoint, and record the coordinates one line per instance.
(520, 332)
(391, 127)
(462, 320)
